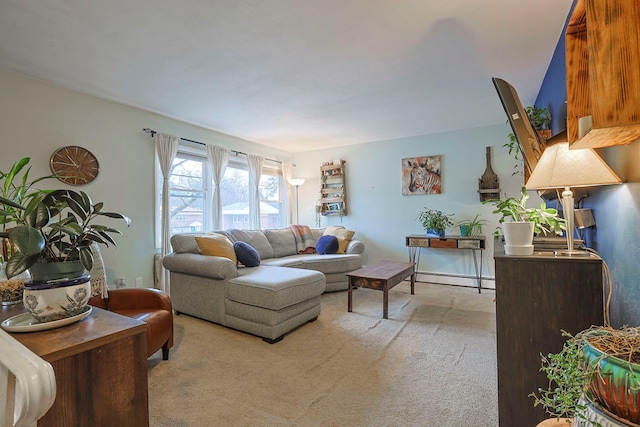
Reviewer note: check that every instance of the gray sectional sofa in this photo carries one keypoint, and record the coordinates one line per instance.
(269, 300)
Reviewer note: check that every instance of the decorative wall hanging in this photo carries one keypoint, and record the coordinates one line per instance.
(421, 175)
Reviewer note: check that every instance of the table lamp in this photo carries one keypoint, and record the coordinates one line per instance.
(560, 167)
(296, 182)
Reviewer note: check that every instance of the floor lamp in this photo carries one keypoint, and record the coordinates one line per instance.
(560, 167)
(296, 182)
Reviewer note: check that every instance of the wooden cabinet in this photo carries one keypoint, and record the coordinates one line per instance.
(333, 190)
(100, 364)
(537, 297)
(603, 59)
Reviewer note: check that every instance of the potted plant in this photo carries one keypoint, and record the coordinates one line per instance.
(519, 223)
(540, 119)
(56, 227)
(594, 377)
(434, 221)
(471, 227)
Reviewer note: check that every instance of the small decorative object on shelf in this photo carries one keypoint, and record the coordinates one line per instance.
(333, 190)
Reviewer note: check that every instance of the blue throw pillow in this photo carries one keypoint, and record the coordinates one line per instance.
(246, 254)
(327, 245)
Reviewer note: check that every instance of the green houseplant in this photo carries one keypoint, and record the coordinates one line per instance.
(519, 223)
(540, 119)
(596, 367)
(545, 220)
(471, 227)
(55, 227)
(435, 221)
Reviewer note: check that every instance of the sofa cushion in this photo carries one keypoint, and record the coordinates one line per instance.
(275, 287)
(327, 245)
(256, 239)
(184, 243)
(216, 245)
(246, 254)
(282, 241)
(344, 236)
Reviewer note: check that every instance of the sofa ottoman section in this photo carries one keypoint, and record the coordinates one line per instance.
(270, 301)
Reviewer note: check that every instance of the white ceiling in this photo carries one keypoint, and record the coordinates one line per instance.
(297, 75)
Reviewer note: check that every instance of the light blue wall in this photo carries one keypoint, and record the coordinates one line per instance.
(382, 216)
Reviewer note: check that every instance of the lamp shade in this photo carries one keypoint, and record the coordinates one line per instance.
(560, 167)
(296, 182)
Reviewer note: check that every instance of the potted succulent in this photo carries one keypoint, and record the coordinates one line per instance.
(594, 377)
(435, 221)
(519, 223)
(471, 227)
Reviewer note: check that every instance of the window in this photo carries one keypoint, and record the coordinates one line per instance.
(191, 193)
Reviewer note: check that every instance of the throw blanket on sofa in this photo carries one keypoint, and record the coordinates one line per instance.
(305, 243)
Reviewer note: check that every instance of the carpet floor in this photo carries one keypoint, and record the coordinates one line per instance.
(432, 363)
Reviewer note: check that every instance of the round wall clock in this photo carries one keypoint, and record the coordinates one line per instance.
(74, 165)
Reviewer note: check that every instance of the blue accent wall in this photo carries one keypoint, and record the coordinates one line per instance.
(616, 208)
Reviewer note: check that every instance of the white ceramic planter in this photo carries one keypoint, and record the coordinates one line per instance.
(58, 300)
(518, 238)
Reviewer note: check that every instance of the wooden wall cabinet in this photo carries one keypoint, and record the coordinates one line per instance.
(603, 59)
(333, 189)
(537, 297)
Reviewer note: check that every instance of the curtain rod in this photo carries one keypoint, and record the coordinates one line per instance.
(152, 132)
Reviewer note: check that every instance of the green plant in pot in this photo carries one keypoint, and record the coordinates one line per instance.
(52, 236)
(596, 376)
(435, 221)
(471, 227)
(519, 223)
(16, 189)
(540, 119)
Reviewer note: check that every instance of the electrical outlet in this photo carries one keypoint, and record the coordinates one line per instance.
(121, 283)
(138, 282)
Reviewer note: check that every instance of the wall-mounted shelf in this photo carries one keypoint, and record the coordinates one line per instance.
(603, 82)
(333, 190)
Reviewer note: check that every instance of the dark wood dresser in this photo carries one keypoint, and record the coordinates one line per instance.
(537, 297)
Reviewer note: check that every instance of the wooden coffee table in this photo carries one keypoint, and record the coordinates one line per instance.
(383, 275)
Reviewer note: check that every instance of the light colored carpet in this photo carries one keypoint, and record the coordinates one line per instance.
(432, 363)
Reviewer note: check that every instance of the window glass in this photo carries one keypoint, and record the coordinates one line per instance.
(191, 193)
(189, 200)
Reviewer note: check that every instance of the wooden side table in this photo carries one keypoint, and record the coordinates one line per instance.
(477, 243)
(100, 365)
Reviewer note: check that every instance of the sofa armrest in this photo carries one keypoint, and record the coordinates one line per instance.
(201, 265)
(354, 247)
(138, 298)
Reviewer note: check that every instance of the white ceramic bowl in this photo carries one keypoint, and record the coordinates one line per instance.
(57, 300)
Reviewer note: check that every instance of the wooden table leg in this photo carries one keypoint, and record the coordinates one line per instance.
(385, 300)
(350, 291)
(413, 283)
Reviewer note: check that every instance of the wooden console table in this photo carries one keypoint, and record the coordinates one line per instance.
(415, 242)
(100, 365)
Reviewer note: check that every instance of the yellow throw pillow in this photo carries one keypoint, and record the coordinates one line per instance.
(216, 245)
(344, 236)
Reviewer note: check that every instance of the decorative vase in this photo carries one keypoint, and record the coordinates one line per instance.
(438, 233)
(518, 237)
(47, 271)
(465, 230)
(57, 300)
(615, 385)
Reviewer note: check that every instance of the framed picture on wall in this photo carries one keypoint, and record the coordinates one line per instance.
(421, 175)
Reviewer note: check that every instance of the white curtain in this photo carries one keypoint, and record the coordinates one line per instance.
(255, 170)
(287, 174)
(166, 150)
(218, 160)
